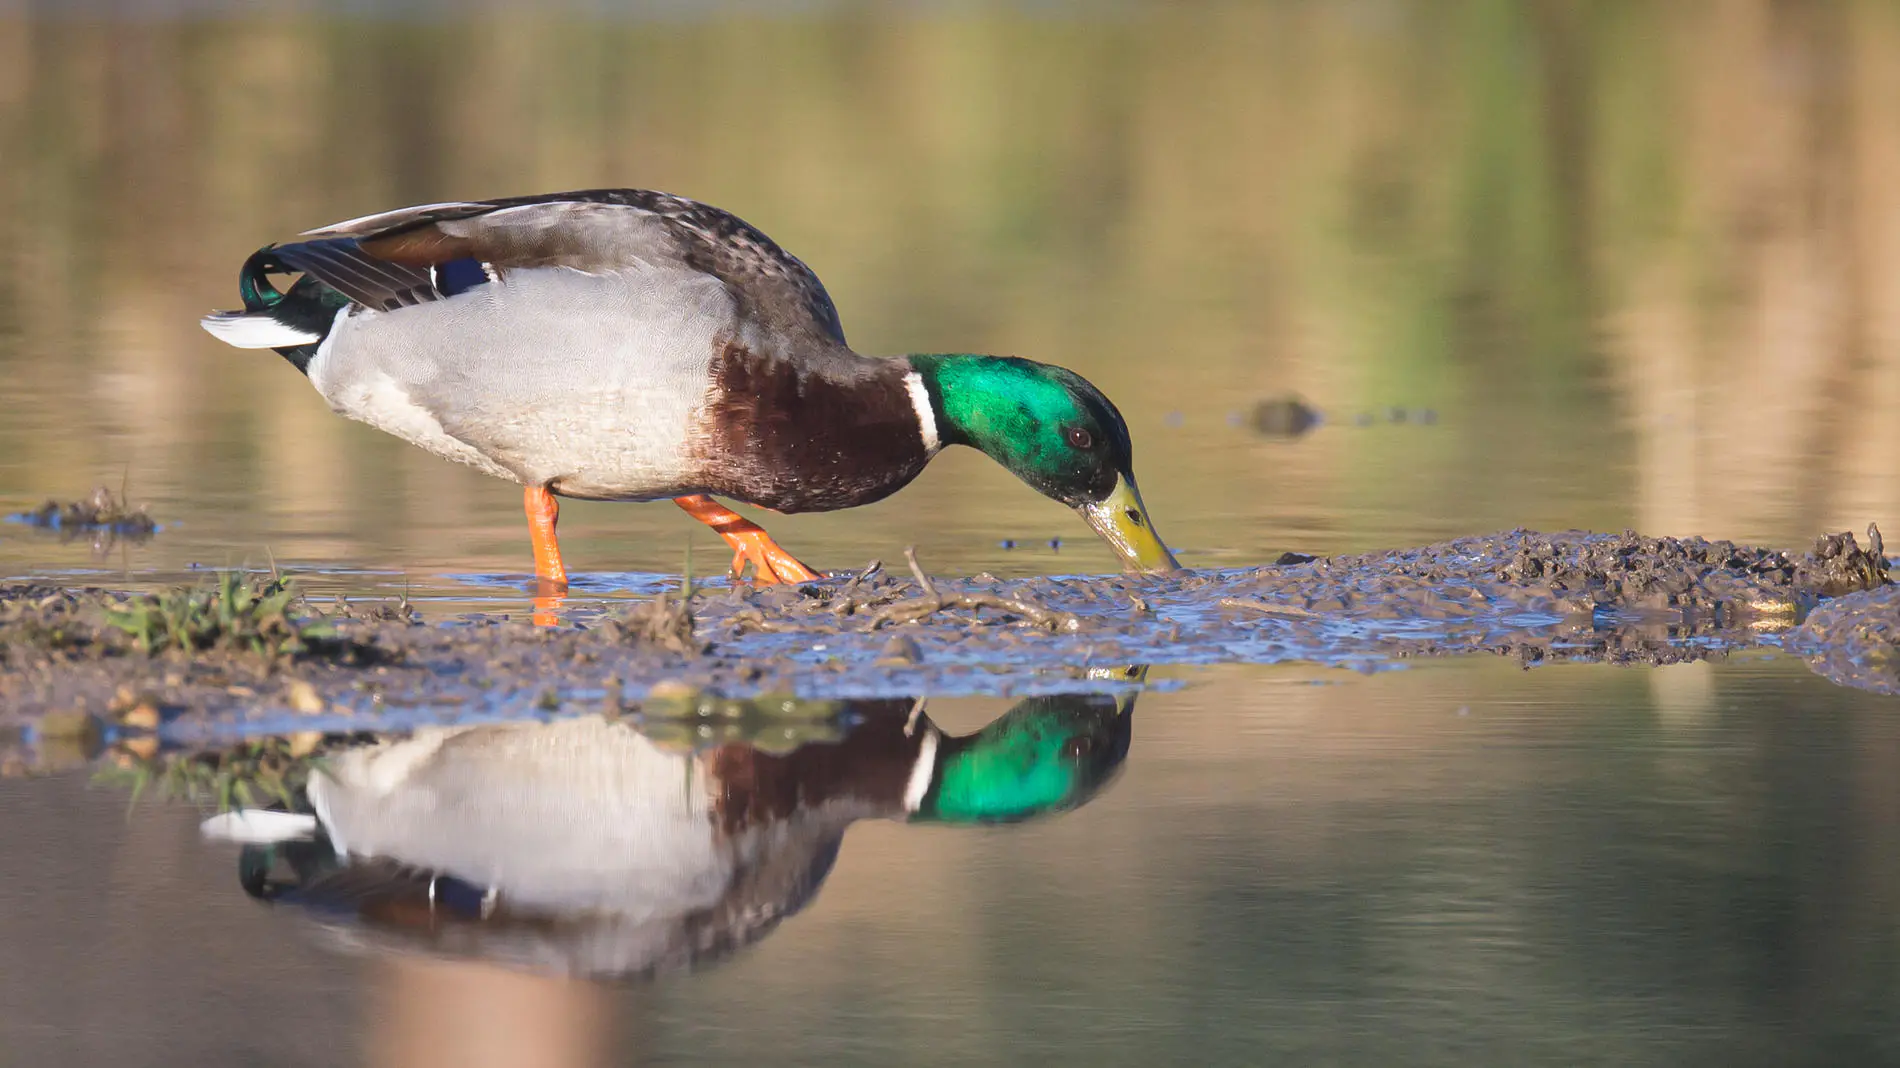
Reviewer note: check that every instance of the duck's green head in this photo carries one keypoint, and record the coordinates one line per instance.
(1056, 432)
(1047, 754)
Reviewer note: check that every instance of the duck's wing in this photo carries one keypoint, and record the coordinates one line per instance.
(431, 251)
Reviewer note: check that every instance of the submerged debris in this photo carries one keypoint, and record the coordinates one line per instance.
(103, 515)
(1283, 417)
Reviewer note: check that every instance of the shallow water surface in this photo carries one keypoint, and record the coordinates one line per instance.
(1686, 864)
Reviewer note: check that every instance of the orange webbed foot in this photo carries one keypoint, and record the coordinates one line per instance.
(771, 564)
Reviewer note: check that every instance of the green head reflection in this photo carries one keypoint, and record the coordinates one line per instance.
(1047, 754)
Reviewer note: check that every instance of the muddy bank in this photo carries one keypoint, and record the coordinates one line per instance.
(1535, 597)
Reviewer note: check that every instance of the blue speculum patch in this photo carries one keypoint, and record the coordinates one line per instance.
(460, 276)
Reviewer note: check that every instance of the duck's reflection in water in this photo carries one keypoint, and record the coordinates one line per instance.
(496, 868)
(587, 848)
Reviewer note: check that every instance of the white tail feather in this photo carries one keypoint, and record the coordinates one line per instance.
(254, 330)
(258, 826)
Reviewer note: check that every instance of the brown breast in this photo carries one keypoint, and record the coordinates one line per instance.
(814, 432)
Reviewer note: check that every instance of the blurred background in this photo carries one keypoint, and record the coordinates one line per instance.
(1557, 263)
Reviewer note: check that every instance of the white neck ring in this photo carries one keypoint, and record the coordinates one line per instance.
(926, 415)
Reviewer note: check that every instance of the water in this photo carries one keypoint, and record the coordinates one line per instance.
(1633, 263)
(1596, 266)
(1466, 861)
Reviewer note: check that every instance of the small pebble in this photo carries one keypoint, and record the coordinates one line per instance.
(900, 651)
(672, 690)
(1055, 543)
(1009, 543)
(1362, 419)
(1396, 415)
(1172, 419)
(1428, 417)
(303, 697)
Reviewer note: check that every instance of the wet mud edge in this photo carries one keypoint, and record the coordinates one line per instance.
(1536, 597)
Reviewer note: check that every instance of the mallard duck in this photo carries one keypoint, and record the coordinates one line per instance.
(585, 847)
(630, 345)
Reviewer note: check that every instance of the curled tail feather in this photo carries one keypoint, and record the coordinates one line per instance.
(292, 323)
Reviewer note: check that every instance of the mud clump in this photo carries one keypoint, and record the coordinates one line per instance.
(1636, 571)
(1838, 565)
(873, 601)
(102, 516)
(398, 610)
(662, 623)
(1575, 571)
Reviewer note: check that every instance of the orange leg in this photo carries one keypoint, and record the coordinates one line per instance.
(550, 577)
(770, 563)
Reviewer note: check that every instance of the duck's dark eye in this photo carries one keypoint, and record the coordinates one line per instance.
(1079, 437)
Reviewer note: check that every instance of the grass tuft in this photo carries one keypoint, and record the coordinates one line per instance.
(234, 611)
(250, 774)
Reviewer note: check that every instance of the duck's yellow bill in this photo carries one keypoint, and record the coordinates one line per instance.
(1122, 521)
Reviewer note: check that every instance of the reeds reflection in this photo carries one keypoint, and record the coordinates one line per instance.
(1639, 260)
